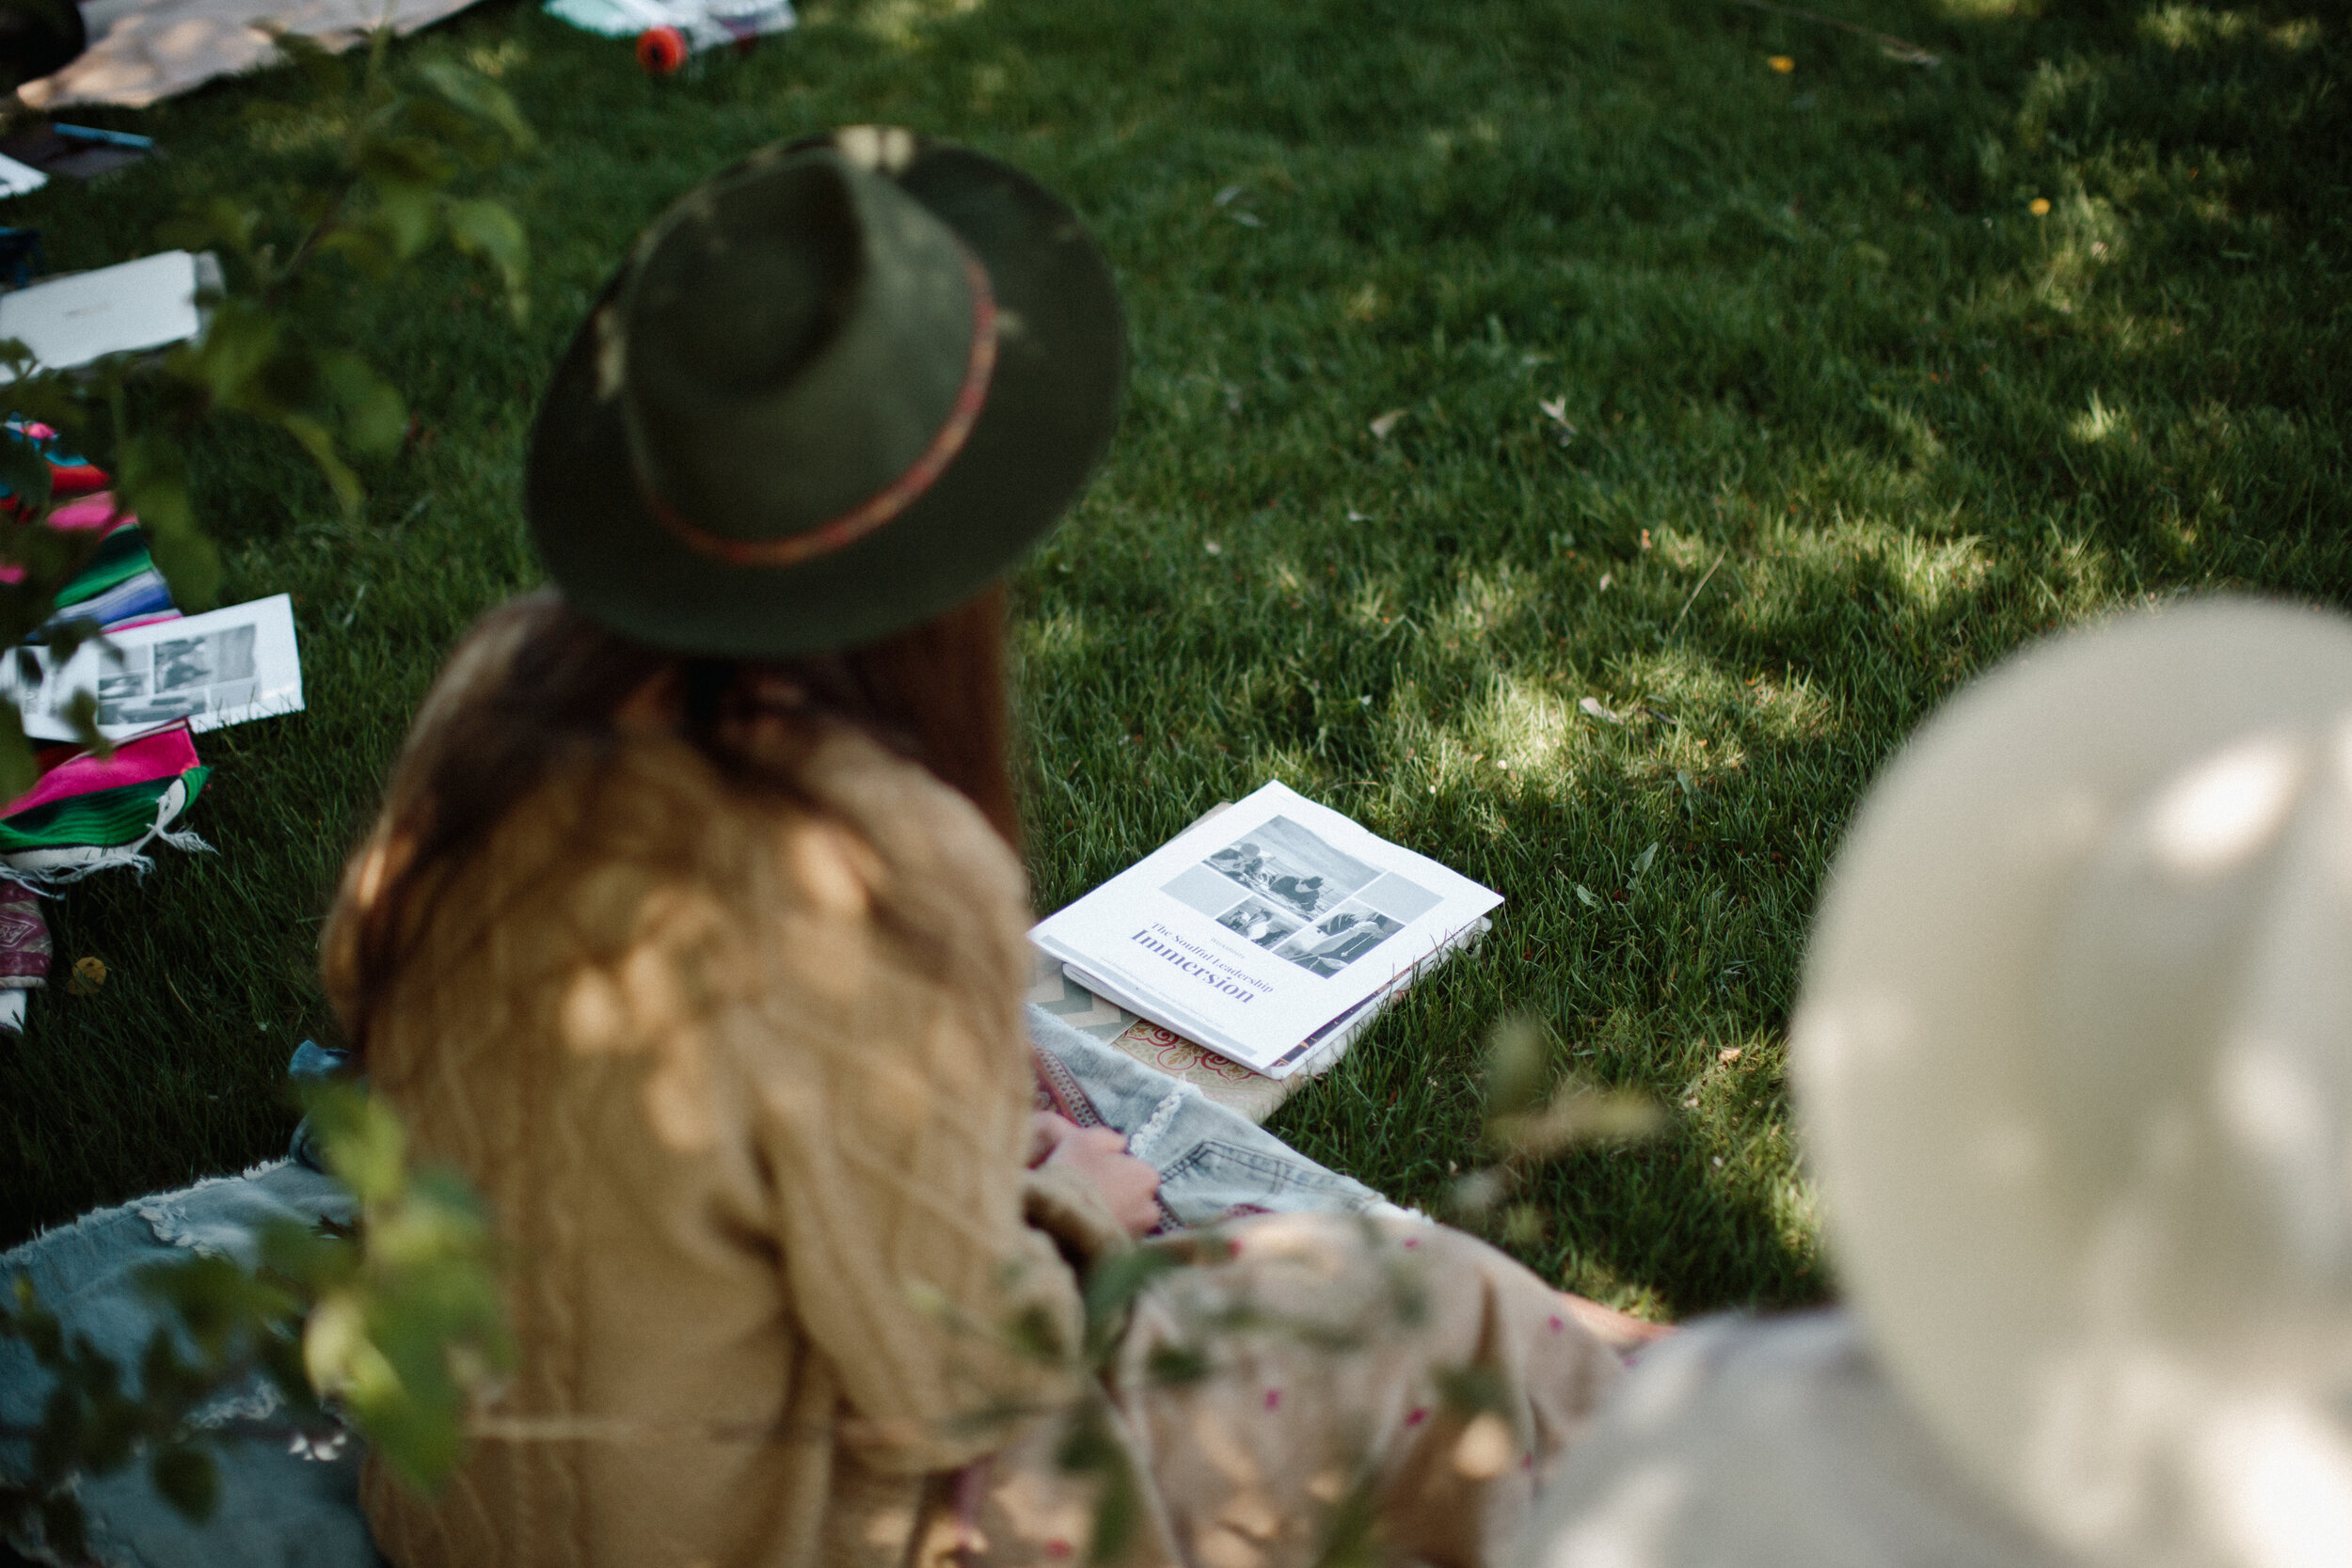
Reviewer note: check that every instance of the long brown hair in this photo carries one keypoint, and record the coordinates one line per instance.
(551, 699)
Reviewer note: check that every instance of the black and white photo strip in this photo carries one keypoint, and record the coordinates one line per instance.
(178, 677)
(1286, 890)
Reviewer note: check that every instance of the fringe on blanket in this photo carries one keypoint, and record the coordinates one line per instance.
(42, 869)
(147, 1209)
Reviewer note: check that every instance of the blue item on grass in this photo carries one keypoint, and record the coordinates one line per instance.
(20, 257)
(312, 1062)
(109, 138)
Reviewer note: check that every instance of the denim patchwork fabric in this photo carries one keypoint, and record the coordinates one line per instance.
(281, 1505)
(1214, 1163)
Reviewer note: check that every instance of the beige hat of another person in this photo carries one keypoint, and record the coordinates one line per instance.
(2074, 1055)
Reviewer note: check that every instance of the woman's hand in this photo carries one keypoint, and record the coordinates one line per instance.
(1047, 1129)
(1129, 1185)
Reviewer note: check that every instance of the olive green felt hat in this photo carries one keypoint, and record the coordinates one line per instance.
(834, 391)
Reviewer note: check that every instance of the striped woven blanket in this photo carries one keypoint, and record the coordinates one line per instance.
(89, 813)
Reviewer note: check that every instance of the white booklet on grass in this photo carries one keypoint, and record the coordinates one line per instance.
(154, 301)
(223, 667)
(1266, 931)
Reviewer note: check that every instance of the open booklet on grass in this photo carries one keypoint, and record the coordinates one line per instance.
(1268, 932)
(223, 667)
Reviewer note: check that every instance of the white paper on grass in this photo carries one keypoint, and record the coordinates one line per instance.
(1256, 927)
(123, 310)
(706, 23)
(16, 179)
(220, 668)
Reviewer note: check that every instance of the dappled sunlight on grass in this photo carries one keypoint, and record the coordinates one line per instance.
(2084, 238)
(1761, 408)
(1795, 1207)
(1938, 576)
(1055, 634)
(2183, 27)
(495, 60)
(1762, 478)
(1369, 606)
(1802, 582)
(1482, 606)
(1992, 11)
(1525, 731)
(2098, 422)
(894, 23)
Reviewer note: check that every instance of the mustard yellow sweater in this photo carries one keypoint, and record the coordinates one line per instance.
(744, 1085)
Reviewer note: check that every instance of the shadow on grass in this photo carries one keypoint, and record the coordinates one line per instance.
(1761, 409)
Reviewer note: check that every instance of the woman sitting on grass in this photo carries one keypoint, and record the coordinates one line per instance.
(692, 933)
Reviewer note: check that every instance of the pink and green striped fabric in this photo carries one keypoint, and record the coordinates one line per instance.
(89, 813)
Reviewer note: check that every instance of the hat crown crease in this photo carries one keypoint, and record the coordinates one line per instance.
(796, 341)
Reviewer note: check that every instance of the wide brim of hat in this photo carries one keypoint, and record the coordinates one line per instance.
(1053, 404)
(1989, 1167)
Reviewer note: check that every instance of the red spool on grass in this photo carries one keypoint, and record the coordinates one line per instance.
(661, 50)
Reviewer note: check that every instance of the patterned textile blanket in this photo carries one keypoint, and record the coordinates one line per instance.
(90, 813)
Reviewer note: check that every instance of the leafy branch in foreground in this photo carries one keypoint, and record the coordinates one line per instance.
(390, 1325)
(1527, 1128)
(270, 350)
(1531, 1120)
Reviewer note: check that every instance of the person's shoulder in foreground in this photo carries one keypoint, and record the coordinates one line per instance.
(2074, 1058)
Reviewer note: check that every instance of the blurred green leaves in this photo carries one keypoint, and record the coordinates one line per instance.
(390, 1325)
(488, 231)
(405, 1323)
(409, 135)
(1531, 1120)
(396, 1319)
(272, 349)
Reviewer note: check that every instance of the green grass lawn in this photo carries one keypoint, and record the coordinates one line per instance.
(1488, 356)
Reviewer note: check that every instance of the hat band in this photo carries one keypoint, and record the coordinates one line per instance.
(884, 503)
